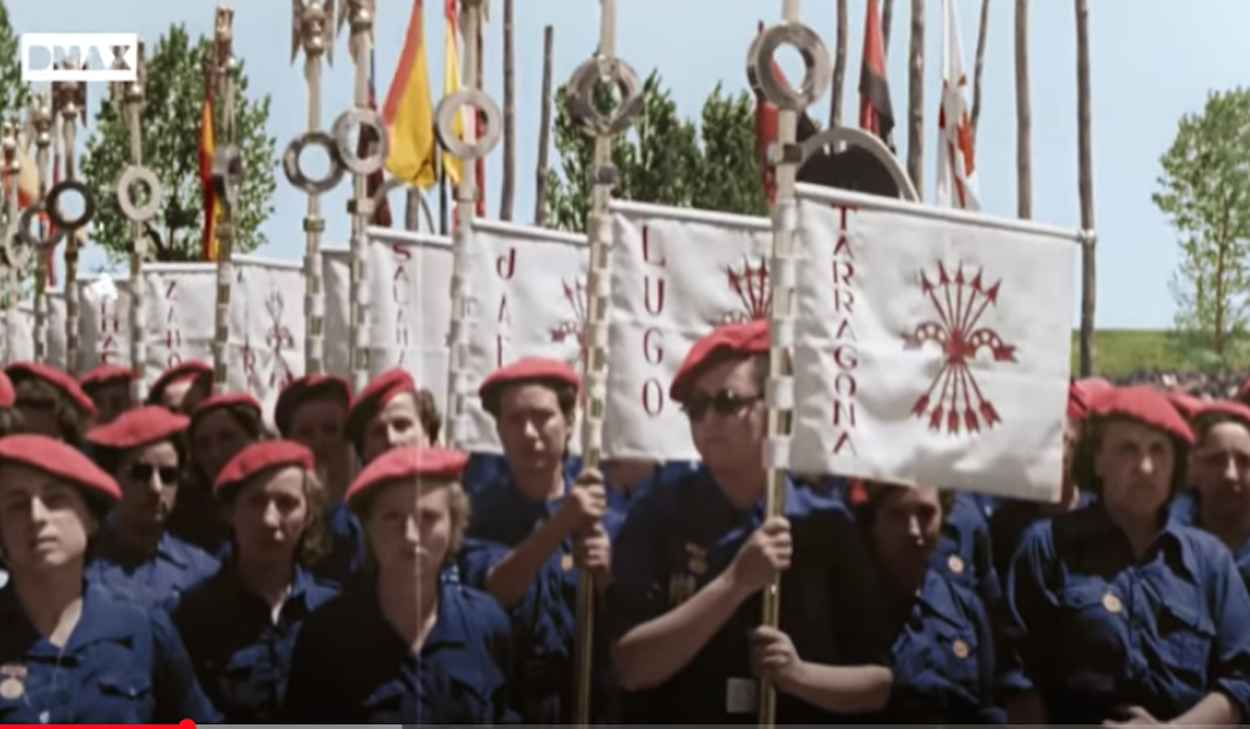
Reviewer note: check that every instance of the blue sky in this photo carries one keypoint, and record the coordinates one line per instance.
(1151, 64)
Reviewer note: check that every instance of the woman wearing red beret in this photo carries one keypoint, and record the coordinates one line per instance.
(69, 656)
(137, 556)
(240, 625)
(313, 411)
(183, 387)
(1120, 614)
(1219, 501)
(51, 402)
(109, 387)
(407, 647)
(221, 426)
(390, 412)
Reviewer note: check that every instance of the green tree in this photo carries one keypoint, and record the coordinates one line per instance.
(174, 92)
(14, 95)
(663, 159)
(1204, 189)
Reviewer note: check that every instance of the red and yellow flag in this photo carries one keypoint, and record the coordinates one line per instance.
(212, 206)
(409, 110)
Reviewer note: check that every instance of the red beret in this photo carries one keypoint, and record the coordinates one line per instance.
(1237, 411)
(105, 374)
(1078, 408)
(55, 377)
(529, 369)
(408, 462)
(59, 459)
(8, 395)
(380, 390)
(304, 389)
(188, 370)
(1187, 405)
(1145, 405)
(138, 427)
(225, 400)
(747, 338)
(259, 457)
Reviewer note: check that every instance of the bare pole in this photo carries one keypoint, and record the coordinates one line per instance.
(227, 183)
(544, 129)
(508, 189)
(359, 14)
(313, 31)
(1085, 160)
(41, 123)
(131, 98)
(785, 156)
(12, 270)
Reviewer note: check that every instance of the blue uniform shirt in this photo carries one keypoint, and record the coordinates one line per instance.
(1098, 628)
(122, 665)
(242, 657)
(1184, 508)
(351, 667)
(347, 555)
(679, 538)
(1011, 520)
(964, 550)
(153, 580)
(544, 622)
(946, 667)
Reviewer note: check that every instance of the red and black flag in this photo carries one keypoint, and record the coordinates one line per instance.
(365, 145)
(876, 113)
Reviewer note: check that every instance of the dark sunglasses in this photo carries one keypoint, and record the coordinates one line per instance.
(142, 472)
(725, 403)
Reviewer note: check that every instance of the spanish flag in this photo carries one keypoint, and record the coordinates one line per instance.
(212, 207)
(451, 82)
(409, 110)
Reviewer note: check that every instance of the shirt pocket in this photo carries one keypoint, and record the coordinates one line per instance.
(1089, 649)
(955, 658)
(1185, 639)
(125, 698)
(471, 696)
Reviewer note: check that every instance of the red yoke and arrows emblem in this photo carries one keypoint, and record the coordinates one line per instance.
(954, 396)
(749, 282)
(574, 328)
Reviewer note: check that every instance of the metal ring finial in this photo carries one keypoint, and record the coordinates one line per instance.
(581, 98)
(228, 174)
(445, 123)
(292, 163)
(125, 193)
(52, 201)
(817, 70)
(346, 153)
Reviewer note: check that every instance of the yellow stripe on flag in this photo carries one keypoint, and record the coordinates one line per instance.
(451, 84)
(409, 110)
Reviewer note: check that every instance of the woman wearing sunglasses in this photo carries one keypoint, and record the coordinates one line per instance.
(69, 655)
(137, 557)
(693, 558)
(275, 503)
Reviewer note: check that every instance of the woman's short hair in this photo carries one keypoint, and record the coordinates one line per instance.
(314, 543)
(71, 422)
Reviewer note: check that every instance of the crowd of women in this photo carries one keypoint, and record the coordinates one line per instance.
(171, 559)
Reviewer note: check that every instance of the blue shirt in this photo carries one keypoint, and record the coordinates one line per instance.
(1185, 509)
(351, 667)
(158, 579)
(348, 555)
(946, 667)
(544, 622)
(1098, 628)
(242, 657)
(679, 538)
(1012, 519)
(122, 665)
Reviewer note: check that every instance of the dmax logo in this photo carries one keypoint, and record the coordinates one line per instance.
(83, 57)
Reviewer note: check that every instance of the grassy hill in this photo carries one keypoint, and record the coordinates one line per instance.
(1119, 351)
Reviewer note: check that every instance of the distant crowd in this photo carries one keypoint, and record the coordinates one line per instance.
(1218, 385)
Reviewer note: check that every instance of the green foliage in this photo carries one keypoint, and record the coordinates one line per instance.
(174, 93)
(1204, 189)
(14, 95)
(663, 159)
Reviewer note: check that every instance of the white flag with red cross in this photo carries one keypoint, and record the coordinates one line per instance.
(526, 290)
(931, 347)
(407, 307)
(676, 274)
(956, 168)
(267, 327)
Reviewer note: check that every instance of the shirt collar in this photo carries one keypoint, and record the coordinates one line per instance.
(1094, 523)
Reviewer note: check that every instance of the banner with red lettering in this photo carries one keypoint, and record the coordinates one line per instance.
(180, 308)
(267, 327)
(527, 298)
(931, 346)
(104, 321)
(19, 333)
(407, 306)
(676, 274)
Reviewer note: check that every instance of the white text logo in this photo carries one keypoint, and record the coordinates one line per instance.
(83, 57)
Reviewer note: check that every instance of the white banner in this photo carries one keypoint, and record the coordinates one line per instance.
(408, 306)
(57, 345)
(931, 347)
(676, 274)
(180, 304)
(527, 288)
(19, 339)
(267, 327)
(104, 321)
